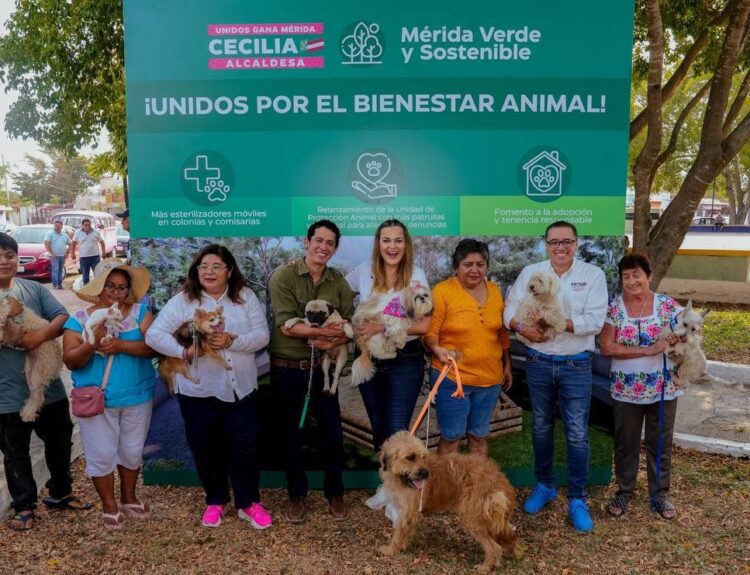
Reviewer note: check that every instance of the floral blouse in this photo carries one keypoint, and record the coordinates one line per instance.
(640, 379)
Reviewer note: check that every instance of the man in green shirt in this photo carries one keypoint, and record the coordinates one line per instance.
(290, 288)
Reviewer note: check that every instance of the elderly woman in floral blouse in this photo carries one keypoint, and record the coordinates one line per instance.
(632, 337)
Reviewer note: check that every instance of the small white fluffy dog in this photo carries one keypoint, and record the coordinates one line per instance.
(110, 316)
(541, 302)
(43, 363)
(396, 312)
(686, 354)
(320, 313)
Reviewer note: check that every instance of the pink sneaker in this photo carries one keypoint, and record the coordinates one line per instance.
(212, 516)
(256, 515)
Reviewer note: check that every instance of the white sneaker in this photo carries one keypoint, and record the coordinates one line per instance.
(391, 512)
(379, 500)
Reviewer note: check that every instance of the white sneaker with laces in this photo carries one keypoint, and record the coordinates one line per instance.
(379, 500)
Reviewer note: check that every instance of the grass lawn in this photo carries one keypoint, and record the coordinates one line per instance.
(727, 334)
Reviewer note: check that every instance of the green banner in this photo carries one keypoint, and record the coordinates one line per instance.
(254, 118)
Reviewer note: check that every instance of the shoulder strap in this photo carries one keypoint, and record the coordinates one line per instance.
(105, 379)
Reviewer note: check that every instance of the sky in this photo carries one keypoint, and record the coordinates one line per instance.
(13, 151)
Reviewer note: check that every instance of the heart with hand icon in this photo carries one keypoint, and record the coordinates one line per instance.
(373, 168)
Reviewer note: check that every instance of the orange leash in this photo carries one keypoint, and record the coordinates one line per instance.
(459, 393)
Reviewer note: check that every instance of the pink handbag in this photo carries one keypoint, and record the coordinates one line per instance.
(88, 401)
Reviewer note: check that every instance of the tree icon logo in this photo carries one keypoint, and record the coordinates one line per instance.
(362, 44)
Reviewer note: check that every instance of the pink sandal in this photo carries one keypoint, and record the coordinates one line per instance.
(137, 510)
(112, 521)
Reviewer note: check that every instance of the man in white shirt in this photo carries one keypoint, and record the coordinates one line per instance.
(558, 370)
(57, 243)
(90, 241)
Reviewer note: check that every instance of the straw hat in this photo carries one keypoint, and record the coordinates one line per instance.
(139, 281)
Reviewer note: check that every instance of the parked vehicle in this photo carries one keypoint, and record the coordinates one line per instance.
(102, 222)
(123, 240)
(8, 228)
(33, 257)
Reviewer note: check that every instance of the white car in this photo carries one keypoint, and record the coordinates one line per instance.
(8, 228)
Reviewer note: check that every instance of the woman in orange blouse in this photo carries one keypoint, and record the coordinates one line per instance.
(467, 323)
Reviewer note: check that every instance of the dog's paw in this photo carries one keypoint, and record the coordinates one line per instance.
(290, 323)
(28, 414)
(387, 550)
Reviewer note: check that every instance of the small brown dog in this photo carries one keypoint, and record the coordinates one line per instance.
(196, 331)
(43, 364)
(470, 485)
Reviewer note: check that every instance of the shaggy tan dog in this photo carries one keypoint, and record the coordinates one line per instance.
(43, 364)
(469, 485)
(541, 303)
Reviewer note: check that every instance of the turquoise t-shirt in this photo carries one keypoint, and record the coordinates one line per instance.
(14, 391)
(131, 379)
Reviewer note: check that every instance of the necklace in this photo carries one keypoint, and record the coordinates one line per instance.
(643, 307)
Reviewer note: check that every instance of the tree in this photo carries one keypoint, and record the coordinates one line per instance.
(737, 184)
(65, 60)
(59, 182)
(695, 39)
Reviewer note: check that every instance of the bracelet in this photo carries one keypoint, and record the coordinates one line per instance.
(520, 326)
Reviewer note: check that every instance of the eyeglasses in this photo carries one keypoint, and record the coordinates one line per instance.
(118, 288)
(564, 243)
(215, 268)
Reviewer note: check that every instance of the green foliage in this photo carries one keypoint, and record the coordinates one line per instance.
(65, 60)
(169, 259)
(727, 336)
(60, 182)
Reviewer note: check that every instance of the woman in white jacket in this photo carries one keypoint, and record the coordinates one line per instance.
(221, 410)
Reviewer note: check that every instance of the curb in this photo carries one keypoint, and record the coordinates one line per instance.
(736, 373)
(712, 445)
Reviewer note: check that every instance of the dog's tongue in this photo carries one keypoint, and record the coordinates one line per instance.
(418, 484)
(219, 329)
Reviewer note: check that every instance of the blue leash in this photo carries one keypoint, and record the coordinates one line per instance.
(660, 441)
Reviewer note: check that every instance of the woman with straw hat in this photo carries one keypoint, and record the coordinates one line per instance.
(114, 438)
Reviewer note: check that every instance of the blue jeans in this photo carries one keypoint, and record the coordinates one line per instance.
(223, 437)
(470, 415)
(289, 387)
(390, 396)
(567, 383)
(57, 268)
(87, 265)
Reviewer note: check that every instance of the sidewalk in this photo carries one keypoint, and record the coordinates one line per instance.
(716, 418)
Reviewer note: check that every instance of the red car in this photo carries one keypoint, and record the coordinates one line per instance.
(33, 257)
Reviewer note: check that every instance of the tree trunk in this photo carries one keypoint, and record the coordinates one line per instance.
(642, 170)
(713, 154)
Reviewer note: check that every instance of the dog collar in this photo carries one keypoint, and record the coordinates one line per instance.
(395, 308)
